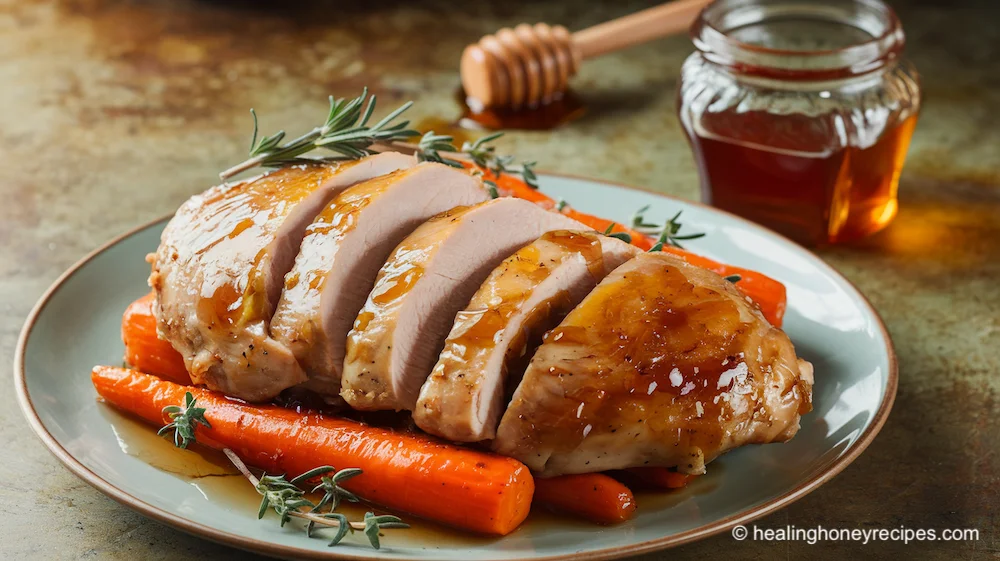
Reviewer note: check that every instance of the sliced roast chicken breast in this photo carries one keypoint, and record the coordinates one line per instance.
(663, 364)
(218, 271)
(342, 252)
(528, 294)
(426, 281)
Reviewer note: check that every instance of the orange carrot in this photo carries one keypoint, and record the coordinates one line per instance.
(661, 478)
(768, 293)
(592, 496)
(460, 487)
(144, 350)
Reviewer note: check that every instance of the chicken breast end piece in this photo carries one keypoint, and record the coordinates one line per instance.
(218, 271)
(663, 364)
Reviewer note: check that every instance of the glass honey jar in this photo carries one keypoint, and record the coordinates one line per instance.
(800, 114)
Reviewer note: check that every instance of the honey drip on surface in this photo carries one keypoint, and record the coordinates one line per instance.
(139, 440)
(474, 122)
(219, 482)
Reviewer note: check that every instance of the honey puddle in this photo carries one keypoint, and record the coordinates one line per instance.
(139, 440)
(211, 473)
(215, 478)
(476, 122)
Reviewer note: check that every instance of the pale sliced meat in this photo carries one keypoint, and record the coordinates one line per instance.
(426, 281)
(528, 294)
(663, 364)
(342, 252)
(219, 268)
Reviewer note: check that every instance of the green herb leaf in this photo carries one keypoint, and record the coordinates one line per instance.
(282, 496)
(184, 419)
(668, 235)
(343, 528)
(734, 278)
(492, 188)
(374, 524)
(430, 147)
(333, 493)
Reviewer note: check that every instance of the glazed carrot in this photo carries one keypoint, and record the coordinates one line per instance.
(768, 293)
(460, 487)
(144, 350)
(661, 478)
(592, 496)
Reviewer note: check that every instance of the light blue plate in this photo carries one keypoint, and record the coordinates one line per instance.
(76, 326)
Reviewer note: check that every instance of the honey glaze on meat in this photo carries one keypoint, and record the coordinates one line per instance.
(214, 282)
(480, 328)
(493, 338)
(663, 364)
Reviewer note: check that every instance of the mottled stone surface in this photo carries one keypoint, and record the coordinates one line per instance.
(114, 112)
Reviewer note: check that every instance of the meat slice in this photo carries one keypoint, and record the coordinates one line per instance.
(528, 294)
(342, 252)
(428, 278)
(219, 268)
(663, 364)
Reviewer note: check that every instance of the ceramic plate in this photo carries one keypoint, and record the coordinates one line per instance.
(76, 325)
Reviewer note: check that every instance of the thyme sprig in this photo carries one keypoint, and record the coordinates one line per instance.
(481, 152)
(288, 500)
(668, 234)
(184, 419)
(345, 132)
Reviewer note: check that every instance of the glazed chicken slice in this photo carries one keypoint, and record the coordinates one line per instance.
(663, 364)
(426, 281)
(342, 252)
(528, 294)
(218, 271)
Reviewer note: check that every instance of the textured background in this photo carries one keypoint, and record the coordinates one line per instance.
(114, 112)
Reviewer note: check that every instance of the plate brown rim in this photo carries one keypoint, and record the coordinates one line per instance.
(279, 550)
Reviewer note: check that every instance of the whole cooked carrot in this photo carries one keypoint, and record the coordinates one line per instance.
(459, 487)
(592, 496)
(661, 478)
(768, 293)
(144, 350)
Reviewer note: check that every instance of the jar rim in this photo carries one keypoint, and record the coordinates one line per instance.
(714, 42)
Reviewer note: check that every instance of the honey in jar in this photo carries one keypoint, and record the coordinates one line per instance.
(800, 114)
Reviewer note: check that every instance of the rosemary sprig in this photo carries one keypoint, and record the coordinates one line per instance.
(345, 132)
(667, 235)
(288, 500)
(184, 419)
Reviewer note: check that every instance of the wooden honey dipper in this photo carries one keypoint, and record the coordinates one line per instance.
(532, 64)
